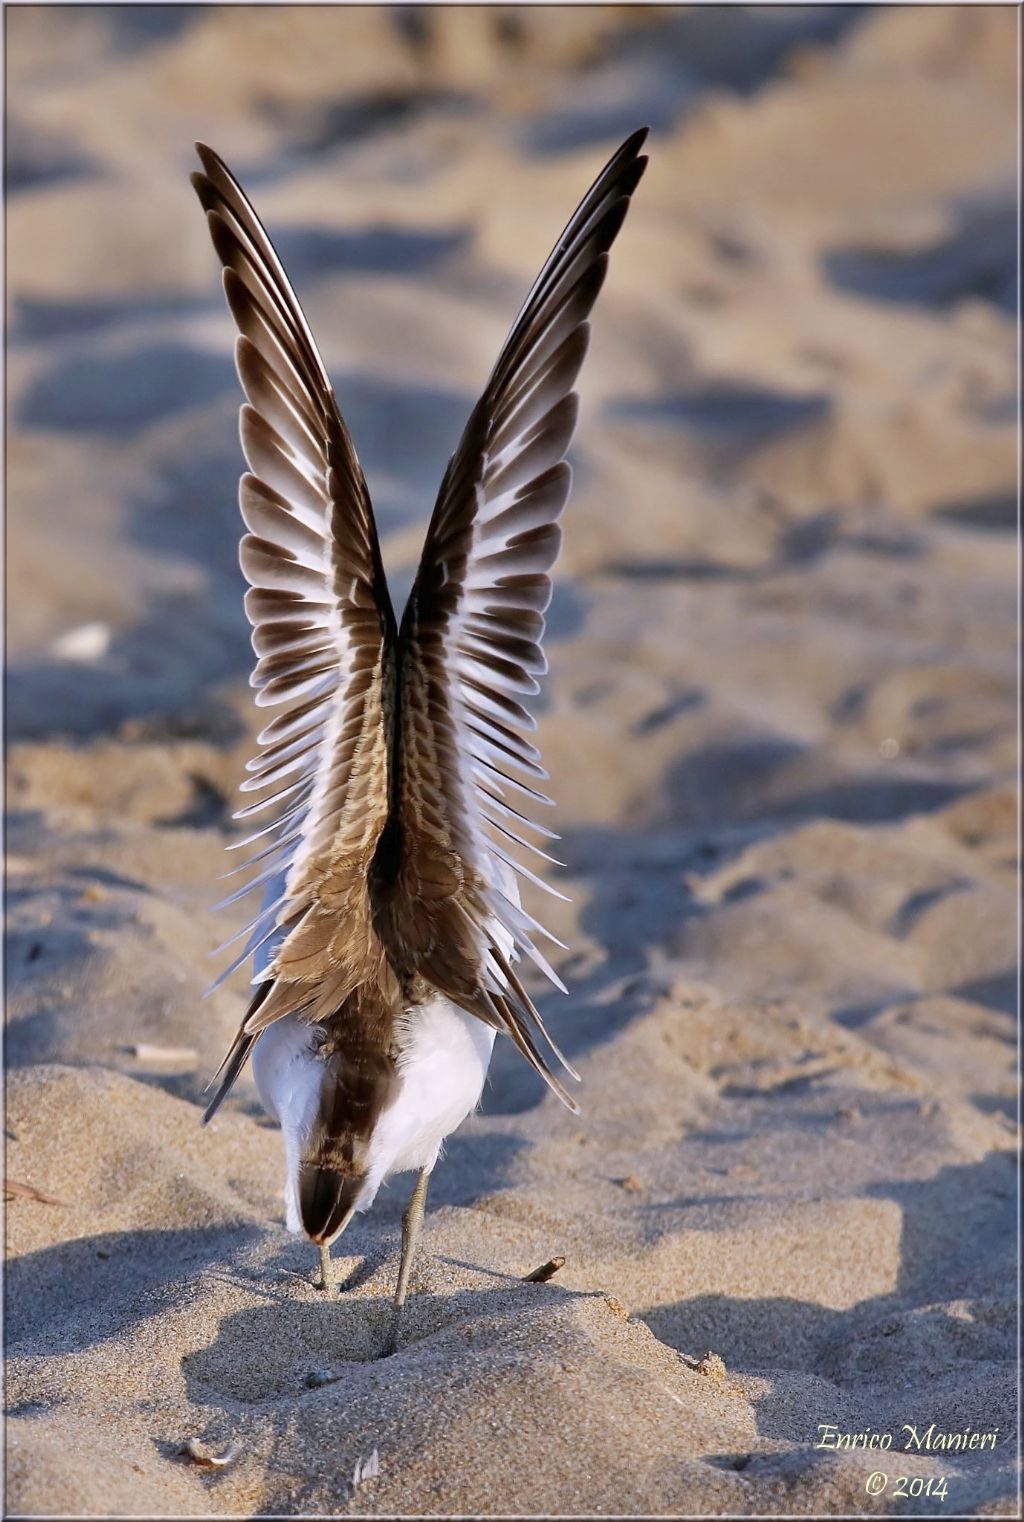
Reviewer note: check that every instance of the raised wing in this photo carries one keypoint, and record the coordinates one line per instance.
(323, 634)
(470, 643)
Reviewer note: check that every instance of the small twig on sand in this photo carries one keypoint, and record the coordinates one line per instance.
(205, 1458)
(545, 1272)
(146, 1051)
(30, 1192)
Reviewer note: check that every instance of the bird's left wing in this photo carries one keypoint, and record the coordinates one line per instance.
(470, 645)
(323, 634)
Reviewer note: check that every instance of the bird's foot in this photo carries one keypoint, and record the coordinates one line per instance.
(391, 1341)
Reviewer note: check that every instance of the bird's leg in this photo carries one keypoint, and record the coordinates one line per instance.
(412, 1220)
(327, 1283)
(317, 1377)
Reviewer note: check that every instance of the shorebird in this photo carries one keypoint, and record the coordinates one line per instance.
(397, 767)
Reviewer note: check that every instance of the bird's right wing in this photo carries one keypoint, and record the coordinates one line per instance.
(470, 643)
(323, 634)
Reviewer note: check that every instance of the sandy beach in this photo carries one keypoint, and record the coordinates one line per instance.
(780, 727)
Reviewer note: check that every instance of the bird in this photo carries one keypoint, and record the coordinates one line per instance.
(396, 771)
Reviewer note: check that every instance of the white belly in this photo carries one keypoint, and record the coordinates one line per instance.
(288, 1078)
(442, 1066)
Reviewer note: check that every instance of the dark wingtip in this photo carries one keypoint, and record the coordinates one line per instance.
(229, 1069)
(626, 165)
(215, 1104)
(630, 147)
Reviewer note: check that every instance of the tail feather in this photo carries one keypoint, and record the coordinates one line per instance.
(327, 1200)
(358, 1080)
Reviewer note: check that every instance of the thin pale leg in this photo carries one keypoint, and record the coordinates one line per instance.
(317, 1377)
(412, 1220)
(327, 1283)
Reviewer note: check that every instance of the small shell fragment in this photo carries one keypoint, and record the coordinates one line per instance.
(317, 1378)
(89, 642)
(205, 1458)
(366, 1469)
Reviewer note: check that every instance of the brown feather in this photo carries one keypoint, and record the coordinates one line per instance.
(389, 757)
(470, 641)
(313, 562)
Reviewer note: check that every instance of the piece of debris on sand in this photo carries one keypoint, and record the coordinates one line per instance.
(545, 1272)
(205, 1458)
(366, 1469)
(29, 1192)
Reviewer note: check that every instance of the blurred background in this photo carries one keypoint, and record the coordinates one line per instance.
(780, 726)
(787, 588)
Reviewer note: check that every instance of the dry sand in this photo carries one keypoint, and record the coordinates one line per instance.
(780, 727)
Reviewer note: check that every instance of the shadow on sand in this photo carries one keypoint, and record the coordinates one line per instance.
(947, 1220)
